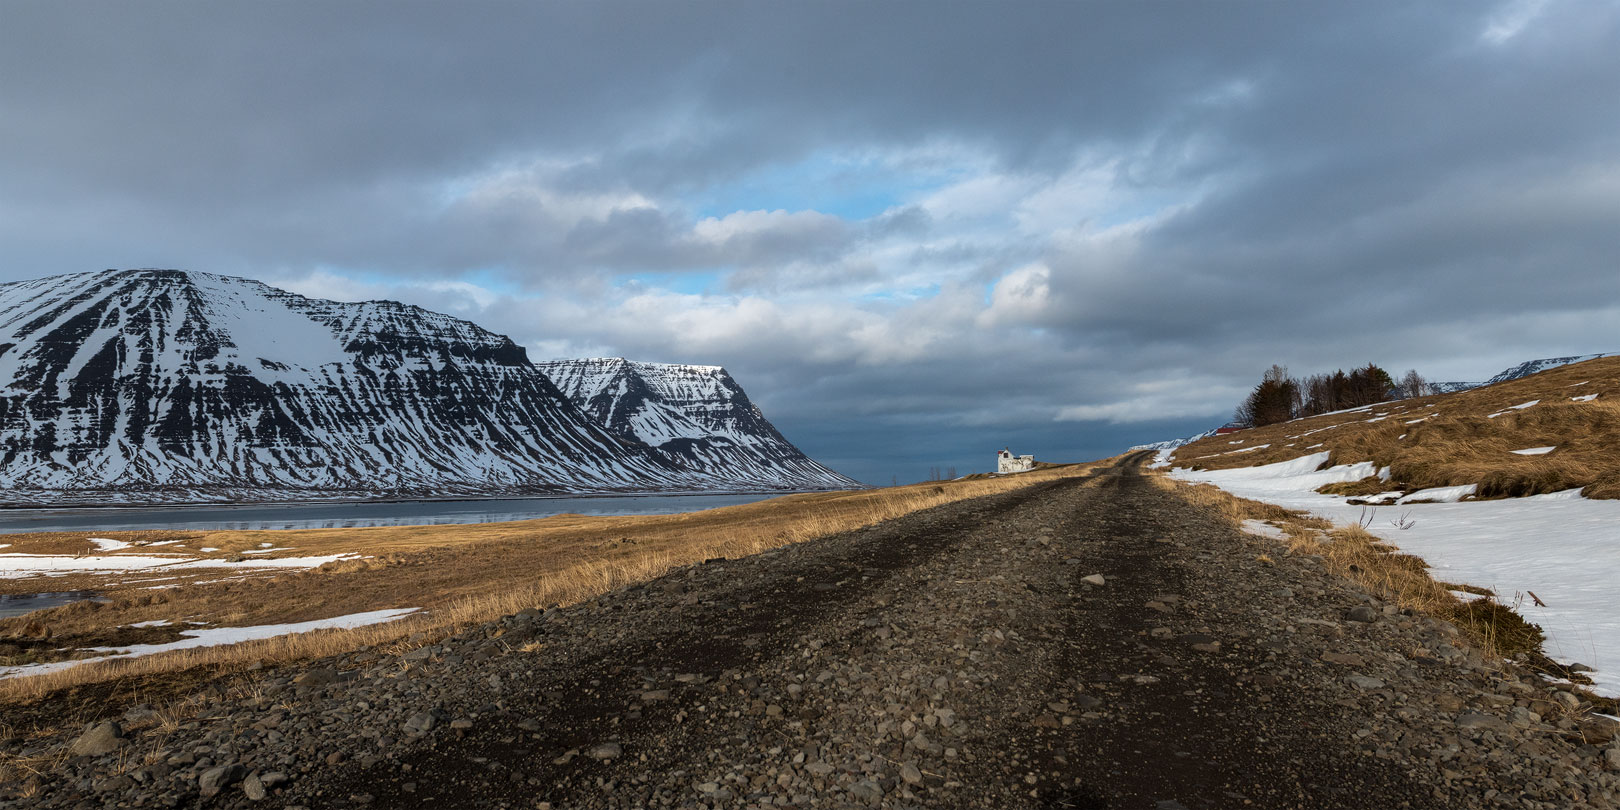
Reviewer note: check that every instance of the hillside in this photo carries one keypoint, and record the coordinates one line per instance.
(1547, 432)
(176, 386)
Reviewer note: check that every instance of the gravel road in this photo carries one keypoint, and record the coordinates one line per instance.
(1085, 643)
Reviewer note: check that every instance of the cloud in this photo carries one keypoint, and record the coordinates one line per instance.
(1067, 224)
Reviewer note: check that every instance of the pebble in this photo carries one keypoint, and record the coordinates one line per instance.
(100, 738)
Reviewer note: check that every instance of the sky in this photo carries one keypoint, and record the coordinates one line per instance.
(915, 232)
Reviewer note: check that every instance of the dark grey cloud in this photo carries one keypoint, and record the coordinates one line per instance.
(1100, 212)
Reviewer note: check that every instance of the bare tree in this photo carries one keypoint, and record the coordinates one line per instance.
(1413, 385)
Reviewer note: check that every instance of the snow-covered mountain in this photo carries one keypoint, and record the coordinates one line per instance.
(1516, 372)
(697, 417)
(1170, 444)
(165, 385)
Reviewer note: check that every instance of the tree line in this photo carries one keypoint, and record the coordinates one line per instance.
(1280, 397)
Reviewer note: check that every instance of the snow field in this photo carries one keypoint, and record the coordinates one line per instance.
(1563, 547)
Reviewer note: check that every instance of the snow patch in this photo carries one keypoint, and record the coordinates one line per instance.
(1264, 529)
(1519, 407)
(104, 544)
(1535, 451)
(216, 636)
(1441, 494)
(17, 566)
(1564, 547)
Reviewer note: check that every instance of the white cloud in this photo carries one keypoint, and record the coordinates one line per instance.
(1511, 19)
(1021, 297)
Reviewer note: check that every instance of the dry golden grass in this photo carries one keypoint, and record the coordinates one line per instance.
(1380, 569)
(1455, 439)
(465, 574)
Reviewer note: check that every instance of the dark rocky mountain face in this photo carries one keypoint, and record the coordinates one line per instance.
(697, 417)
(163, 385)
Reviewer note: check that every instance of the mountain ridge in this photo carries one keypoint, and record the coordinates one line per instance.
(157, 385)
(697, 416)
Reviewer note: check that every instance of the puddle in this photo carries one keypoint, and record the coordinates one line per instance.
(18, 604)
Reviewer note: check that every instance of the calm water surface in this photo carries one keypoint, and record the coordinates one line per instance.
(18, 604)
(348, 515)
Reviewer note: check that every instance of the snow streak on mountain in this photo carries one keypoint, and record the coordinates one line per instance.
(164, 385)
(697, 417)
(1517, 372)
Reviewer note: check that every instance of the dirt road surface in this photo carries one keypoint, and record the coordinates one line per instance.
(1094, 642)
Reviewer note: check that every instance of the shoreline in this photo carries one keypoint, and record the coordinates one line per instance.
(339, 501)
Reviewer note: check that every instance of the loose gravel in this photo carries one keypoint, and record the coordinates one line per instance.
(1085, 643)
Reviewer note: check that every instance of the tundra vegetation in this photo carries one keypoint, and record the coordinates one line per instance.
(1568, 418)
(459, 575)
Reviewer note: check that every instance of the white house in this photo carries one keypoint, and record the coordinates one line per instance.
(1006, 462)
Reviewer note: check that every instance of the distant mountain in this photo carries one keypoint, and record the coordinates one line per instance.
(697, 417)
(172, 386)
(1171, 444)
(1516, 372)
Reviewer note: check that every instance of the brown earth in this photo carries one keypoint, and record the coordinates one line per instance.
(962, 656)
(1457, 439)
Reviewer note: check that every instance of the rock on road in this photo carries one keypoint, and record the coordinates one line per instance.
(1093, 642)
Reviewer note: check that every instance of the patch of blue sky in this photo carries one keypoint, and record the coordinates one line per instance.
(684, 282)
(900, 296)
(854, 188)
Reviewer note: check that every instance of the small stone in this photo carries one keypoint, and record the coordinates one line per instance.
(319, 676)
(910, 774)
(654, 695)
(254, 787)
(1347, 659)
(421, 722)
(1481, 721)
(1362, 614)
(1364, 682)
(1613, 756)
(866, 790)
(1094, 579)
(215, 779)
(101, 738)
(605, 751)
(819, 768)
(461, 724)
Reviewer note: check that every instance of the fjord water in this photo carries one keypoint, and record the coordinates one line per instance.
(350, 515)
